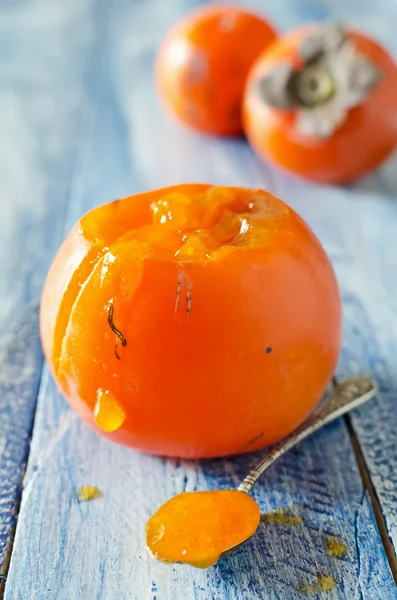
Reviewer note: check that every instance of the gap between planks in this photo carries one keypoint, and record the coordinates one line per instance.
(21, 346)
(368, 485)
(11, 537)
(18, 498)
(6, 564)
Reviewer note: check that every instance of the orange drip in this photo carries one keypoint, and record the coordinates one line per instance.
(108, 414)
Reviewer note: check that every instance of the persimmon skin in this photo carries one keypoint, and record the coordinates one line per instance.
(357, 147)
(203, 64)
(225, 353)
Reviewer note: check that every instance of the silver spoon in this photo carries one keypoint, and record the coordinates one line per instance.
(342, 398)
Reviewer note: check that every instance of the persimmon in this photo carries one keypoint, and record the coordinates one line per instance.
(192, 321)
(321, 102)
(203, 64)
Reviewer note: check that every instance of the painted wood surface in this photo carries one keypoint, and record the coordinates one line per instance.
(43, 66)
(83, 126)
(20, 372)
(359, 245)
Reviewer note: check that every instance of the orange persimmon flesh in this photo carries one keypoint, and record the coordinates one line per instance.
(197, 527)
(192, 321)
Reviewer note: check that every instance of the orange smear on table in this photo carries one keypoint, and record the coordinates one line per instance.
(197, 527)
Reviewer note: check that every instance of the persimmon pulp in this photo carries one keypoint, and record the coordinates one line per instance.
(197, 527)
(192, 321)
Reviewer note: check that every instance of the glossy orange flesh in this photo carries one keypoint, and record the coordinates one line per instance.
(192, 321)
(358, 146)
(203, 64)
(197, 527)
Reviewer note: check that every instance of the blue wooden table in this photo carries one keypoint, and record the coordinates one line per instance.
(80, 125)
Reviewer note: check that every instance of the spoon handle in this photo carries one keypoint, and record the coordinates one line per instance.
(343, 398)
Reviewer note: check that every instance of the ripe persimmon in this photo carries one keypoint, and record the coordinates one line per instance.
(203, 64)
(322, 102)
(192, 321)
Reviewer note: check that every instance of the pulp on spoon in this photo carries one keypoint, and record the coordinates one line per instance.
(197, 527)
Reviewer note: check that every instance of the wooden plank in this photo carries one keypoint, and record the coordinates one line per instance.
(20, 371)
(375, 428)
(42, 70)
(358, 232)
(41, 91)
(96, 550)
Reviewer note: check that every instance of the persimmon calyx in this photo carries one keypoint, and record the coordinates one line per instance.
(334, 78)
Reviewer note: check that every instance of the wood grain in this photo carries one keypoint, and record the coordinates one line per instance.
(20, 371)
(89, 130)
(47, 53)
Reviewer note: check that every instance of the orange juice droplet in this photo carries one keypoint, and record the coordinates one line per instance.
(108, 413)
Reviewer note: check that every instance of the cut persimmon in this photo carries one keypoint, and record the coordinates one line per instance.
(193, 320)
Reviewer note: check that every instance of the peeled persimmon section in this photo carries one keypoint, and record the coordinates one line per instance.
(192, 321)
(197, 527)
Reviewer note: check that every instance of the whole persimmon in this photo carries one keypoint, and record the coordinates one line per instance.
(321, 102)
(203, 64)
(192, 321)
